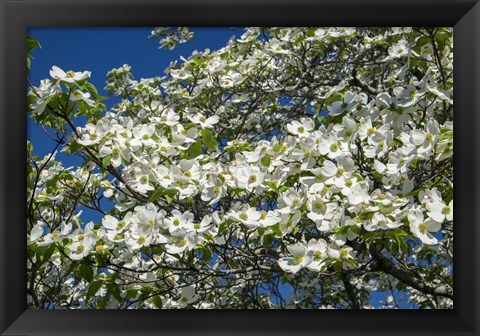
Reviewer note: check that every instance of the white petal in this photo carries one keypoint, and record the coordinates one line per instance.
(109, 222)
(57, 73)
(329, 168)
(297, 250)
(37, 232)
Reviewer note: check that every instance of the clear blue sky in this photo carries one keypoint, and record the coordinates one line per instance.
(101, 49)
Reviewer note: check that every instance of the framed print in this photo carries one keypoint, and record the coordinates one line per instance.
(297, 178)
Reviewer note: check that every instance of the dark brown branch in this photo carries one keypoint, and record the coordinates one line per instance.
(350, 290)
(388, 267)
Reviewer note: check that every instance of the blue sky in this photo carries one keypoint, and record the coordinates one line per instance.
(99, 50)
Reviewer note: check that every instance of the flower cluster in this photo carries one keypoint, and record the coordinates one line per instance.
(293, 157)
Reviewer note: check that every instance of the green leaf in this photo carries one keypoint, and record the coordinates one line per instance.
(130, 294)
(74, 146)
(267, 240)
(224, 225)
(48, 253)
(72, 268)
(271, 185)
(157, 301)
(276, 230)
(86, 272)
(169, 194)
(195, 150)
(156, 194)
(266, 160)
(385, 208)
(337, 266)
(92, 89)
(93, 289)
(32, 44)
(352, 262)
(369, 237)
(423, 40)
(207, 254)
(115, 291)
(208, 139)
(106, 160)
(45, 252)
(261, 231)
(398, 236)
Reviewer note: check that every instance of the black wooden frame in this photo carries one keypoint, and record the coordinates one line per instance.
(17, 15)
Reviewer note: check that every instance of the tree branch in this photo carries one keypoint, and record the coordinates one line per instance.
(388, 267)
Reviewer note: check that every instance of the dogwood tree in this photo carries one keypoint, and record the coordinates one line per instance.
(292, 168)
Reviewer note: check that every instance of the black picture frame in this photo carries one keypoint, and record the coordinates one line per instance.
(17, 15)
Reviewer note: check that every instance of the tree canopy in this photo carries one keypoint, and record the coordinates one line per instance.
(292, 168)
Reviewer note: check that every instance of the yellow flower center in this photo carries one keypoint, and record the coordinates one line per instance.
(422, 227)
(325, 190)
(343, 253)
(298, 260)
